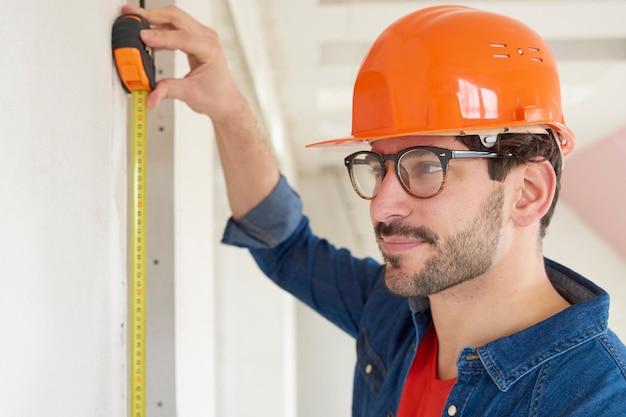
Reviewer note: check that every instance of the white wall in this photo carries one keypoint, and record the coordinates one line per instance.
(62, 212)
(63, 208)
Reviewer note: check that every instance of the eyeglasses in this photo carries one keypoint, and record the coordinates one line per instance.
(420, 169)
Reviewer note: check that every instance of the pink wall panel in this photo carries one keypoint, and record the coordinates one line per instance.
(594, 185)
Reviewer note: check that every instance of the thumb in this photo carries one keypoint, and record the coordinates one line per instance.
(165, 89)
(178, 89)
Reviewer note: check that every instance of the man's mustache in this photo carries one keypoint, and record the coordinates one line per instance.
(405, 230)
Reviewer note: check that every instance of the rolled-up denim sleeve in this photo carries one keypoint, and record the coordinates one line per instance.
(268, 224)
(328, 279)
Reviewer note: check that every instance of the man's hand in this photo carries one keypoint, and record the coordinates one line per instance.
(208, 88)
(250, 170)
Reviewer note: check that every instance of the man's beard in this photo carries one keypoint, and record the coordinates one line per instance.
(460, 257)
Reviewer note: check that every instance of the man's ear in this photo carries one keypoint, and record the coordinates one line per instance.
(537, 190)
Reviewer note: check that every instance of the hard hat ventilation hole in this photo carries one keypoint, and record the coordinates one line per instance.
(499, 45)
(535, 49)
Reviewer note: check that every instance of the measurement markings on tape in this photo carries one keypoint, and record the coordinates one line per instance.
(135, 67)
(138, 279)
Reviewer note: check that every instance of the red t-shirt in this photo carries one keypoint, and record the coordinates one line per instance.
(423, 394)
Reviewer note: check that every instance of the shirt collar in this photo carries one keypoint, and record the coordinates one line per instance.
(508, 359)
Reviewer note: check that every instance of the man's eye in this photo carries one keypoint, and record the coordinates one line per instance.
(424, 168)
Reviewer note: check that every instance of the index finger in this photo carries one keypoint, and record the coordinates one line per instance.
(175, 30)
(168, 16)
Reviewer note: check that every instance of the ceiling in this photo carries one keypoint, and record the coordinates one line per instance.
(302, 56)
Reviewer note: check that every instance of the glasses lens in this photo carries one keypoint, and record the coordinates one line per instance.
(421, 172)
(367, 173)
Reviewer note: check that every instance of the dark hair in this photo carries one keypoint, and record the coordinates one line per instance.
(524, 148)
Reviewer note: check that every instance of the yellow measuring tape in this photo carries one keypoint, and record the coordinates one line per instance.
(135, 67)
(138, 254)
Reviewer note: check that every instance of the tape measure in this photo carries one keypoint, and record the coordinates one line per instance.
(135, 67)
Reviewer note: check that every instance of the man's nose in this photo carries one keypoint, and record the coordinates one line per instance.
(391, 201)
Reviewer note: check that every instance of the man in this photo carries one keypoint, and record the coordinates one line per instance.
(462, 110)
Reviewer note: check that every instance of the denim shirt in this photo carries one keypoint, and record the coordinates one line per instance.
(568, 365)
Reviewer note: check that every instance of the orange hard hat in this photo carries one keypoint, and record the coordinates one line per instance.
(454, 70)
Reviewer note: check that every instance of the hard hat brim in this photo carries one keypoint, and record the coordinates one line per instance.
(566, 138)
